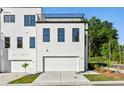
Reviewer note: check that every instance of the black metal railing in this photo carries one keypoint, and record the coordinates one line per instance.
(59, 17)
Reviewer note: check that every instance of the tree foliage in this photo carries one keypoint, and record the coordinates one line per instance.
(25, 65)
(103, 39)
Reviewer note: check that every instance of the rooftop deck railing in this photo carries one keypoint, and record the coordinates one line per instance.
(60, 17)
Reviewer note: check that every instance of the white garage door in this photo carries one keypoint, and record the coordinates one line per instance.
(61, 64)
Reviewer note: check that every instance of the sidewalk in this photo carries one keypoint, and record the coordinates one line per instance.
(7, 77)
(114, 69)
(107, 83)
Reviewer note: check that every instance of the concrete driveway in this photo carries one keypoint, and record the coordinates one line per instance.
(61, 78)
(7, 77)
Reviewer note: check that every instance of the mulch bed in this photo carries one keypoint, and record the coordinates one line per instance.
(109, 73)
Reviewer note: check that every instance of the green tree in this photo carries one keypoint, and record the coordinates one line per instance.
(105, 50)
(25, 65)
(103, 39)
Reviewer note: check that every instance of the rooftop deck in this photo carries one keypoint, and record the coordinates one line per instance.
(58, 18)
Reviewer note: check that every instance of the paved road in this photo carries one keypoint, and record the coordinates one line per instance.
(61, 78)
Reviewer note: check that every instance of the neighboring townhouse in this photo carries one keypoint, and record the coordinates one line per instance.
(46, 42)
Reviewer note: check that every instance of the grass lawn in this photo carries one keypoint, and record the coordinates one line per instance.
(25, 79)
(99, 77)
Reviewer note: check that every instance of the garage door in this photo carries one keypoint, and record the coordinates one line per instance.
(61, 64)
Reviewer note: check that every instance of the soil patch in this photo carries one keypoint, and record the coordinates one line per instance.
(110, 73)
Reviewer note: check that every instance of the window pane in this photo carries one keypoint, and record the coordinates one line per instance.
(46, 31)
(46, 39)
(32, 42)
(29, 20)
(46, 35)
(33, 20)
(9, 18)
(75, 34)
(7, 42)
(60, 39)
(75, 39)
(26, 20)
(12, 18)
(19, 42)
(6, 18)
(61, 35)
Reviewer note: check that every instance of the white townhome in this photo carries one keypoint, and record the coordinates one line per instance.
(46, 42)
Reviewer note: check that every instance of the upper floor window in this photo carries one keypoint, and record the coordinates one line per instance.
(29, 20)
(9, 18)
(61, 35)
(19, 42)
(85, 40)
(32, 42)
(7, 42)
(46, 35)
(75, 34)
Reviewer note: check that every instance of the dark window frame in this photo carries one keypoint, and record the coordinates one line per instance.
(46, 34)
(85, 40)
(30, 44)
(9, 18)
(75, 35)
(61, 35)
(29, 20)
(19, 42)
(7, 42)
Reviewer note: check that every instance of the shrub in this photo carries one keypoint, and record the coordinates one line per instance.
(97, 59)
(102, 64)
(93, 66)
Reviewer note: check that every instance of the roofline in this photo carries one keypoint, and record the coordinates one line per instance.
(61, 17)
(20, 7)
(61, 22)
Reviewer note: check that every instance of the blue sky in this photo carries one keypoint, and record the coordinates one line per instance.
(112, 14)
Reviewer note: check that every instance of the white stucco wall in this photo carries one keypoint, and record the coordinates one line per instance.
(13, 58)
(14, 30)
(55, 48)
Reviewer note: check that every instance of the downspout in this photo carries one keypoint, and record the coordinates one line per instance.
(86, 46)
